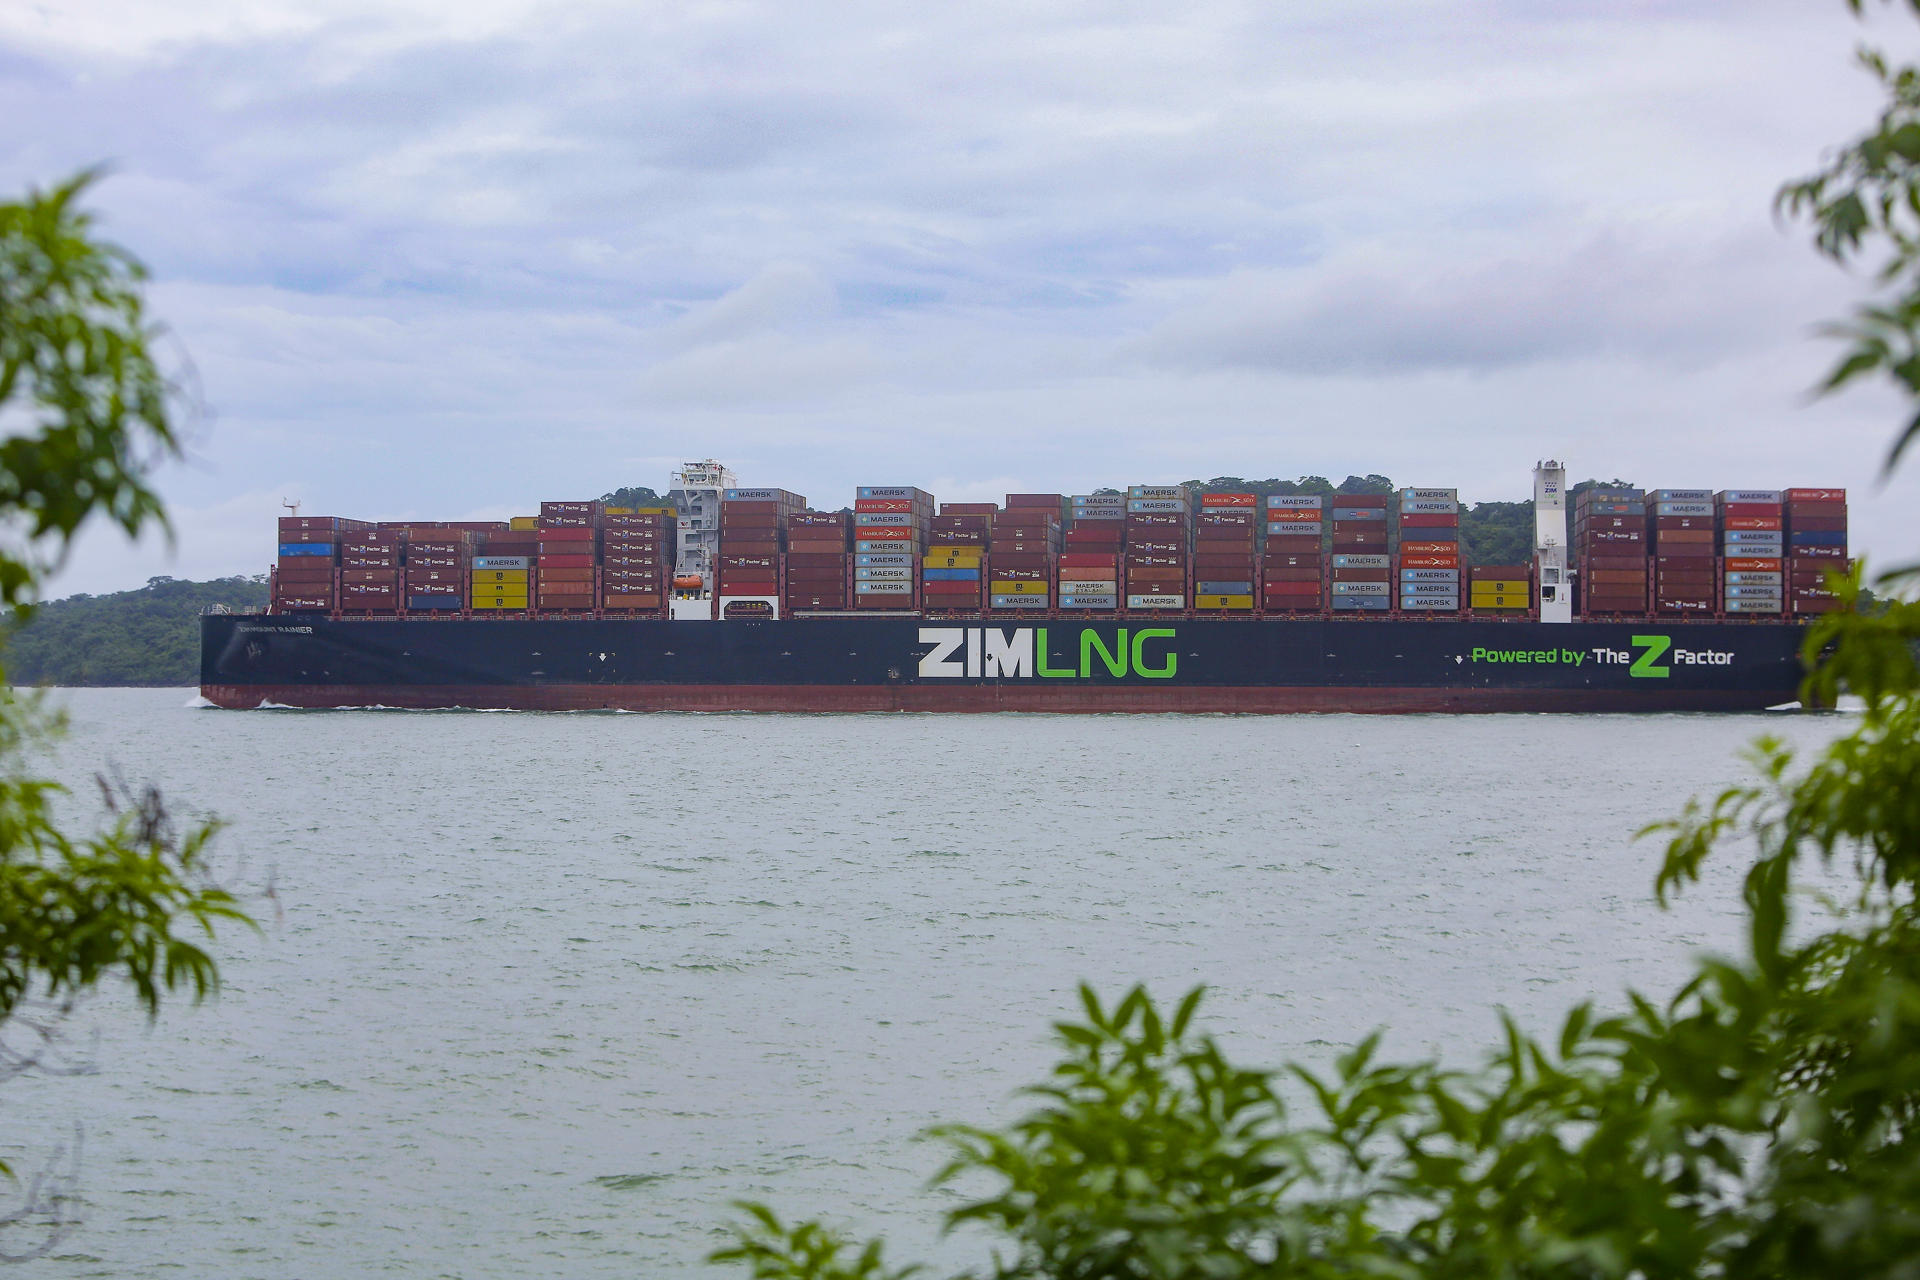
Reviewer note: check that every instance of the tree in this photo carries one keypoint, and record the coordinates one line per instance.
(1763, 1119)
(130, 901)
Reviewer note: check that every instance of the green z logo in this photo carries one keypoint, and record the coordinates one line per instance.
(1643, 665)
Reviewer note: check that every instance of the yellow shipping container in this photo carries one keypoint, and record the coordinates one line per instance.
(1223, 602)
(501, 602)
(502, 577)
(1478, 601)
(616, 511)
(501, 593)
(1504, 588)
(1017, 588)
(650, 511)
(951, 562)
(524, 522)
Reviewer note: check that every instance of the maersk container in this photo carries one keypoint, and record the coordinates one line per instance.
(1437, 591)
(1429, 495)
(1295, 502)
(885, 519)
(1682, 509)
(1156, 506)
(306, 548)
(883, 545)
(1764, 497)
(1370, 603)
(1683, 495)
(887, 588)
(1431, 604)
(1016, 602)
(1753, 592)
(1295, 528)
(1155, 491)
(1432, 507)
(1451, 576)
(1345, 561)
(1086, 586)
(889, 491)
(1157, 602)
(1753, 606)
(900, 561)
(1089, 602)
(883, 575)
(1746, 577)
(503, 562)
(1381, 589)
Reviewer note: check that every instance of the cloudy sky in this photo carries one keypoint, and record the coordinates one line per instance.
(445, 260)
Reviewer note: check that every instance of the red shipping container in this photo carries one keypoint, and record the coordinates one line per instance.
(1291, 575)
(1432, 520)
(900, 505)
(1304, 587)
(1429, 562)
(1752, 509)
(1229, 500)
(1087, 559)
(1308, 544)
(1816, 495)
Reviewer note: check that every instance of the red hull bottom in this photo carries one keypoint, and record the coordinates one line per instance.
(979, 698)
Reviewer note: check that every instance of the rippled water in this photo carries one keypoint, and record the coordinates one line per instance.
(548, 991)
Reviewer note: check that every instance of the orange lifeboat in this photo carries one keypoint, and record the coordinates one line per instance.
(687, 582)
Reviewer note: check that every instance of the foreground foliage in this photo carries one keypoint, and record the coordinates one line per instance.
(147, 637)
(129, 900)
(1761, 1120)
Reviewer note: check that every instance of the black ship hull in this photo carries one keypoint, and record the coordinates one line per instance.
(1222, 665)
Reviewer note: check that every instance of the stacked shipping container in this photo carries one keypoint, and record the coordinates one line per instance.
(1158, 546)
(890, 528)
(1752, 528)
(1292, 560)
(953, 571)
(306, 573)
(1024, 552)
(753, 526)
(568, 556)
(1610, 549)
(370, 569)
(1816, 521)
(819, 565)
(1500, 589)
(1089, 579)
(1225, 534)
(1684, 566)
(637, 551)
(1427, 562)
(1362, 573)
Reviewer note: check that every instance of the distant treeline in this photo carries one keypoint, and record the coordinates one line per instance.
(145, 637)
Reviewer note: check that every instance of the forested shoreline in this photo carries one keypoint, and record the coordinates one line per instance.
(148, 637)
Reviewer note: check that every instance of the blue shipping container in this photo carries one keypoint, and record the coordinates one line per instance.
(1818, 537)
(306, 548)
(433, 602)
(952, 575)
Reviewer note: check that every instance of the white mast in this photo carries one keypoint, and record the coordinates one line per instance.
(1550, 541)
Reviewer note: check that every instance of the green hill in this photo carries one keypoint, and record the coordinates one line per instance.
(146, 637)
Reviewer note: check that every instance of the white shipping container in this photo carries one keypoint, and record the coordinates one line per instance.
(1345, 561)
(1086, 586)
(1430, 495)
(883, 562)
(1016, 602)
(1156, 491)
(1296, 502)
(1295, 528)
(1362, 588)
(1156, 602)
(1770, 497)
(1429, 507)
(503, 562)
(883, 519)
(1753, 606)
(1158, 506)
(884, 588)
(1089, 602)
(1434, 604)
(1678, 508)
(1683, 495)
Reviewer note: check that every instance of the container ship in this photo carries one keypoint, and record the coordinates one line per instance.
(1156, 598)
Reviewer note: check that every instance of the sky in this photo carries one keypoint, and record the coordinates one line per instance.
(447, 260)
